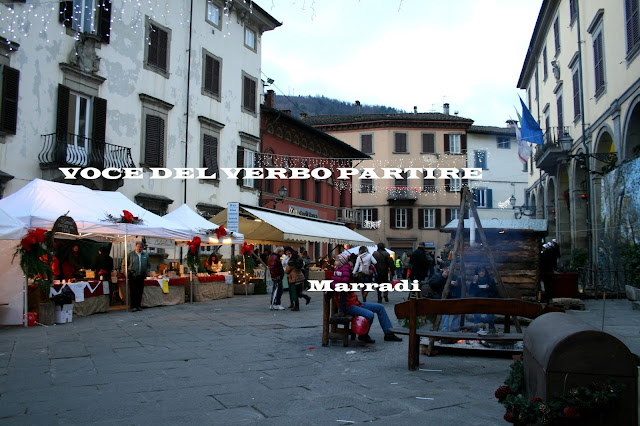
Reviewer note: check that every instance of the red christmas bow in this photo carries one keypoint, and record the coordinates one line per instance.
(35, 236)
(39, 234)
(193, 245)
(221, 232)
(127, 216)
(246, 248)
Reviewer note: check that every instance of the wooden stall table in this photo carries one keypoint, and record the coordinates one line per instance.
(317, 274)
(210, 287)
(153, 294)
(90, 296)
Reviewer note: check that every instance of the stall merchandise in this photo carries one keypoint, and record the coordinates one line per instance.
(90, 296)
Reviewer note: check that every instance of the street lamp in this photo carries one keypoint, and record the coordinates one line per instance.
(522, 210)
(282, 192)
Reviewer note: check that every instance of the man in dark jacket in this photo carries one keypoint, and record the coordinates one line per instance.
(421, 264)
(384, 265)
(277, 273)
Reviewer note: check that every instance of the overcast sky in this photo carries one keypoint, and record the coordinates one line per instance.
(468, 53)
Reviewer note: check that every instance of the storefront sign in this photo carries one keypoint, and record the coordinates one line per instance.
(160, 242)
(65, 224)
(303, 211)
(233, 217)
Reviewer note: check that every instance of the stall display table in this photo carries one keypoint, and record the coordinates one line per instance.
(317, 274)
(210, 287)
(90, 296)
(154, 291)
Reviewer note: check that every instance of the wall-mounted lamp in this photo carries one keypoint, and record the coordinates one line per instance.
(282, 192)
(522, 210)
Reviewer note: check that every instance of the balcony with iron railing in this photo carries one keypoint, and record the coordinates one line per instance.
(347, 215)
(402, 193)
(549, 155)
(70, 150)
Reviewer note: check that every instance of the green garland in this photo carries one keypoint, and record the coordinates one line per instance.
(35, 258)
(576, 403)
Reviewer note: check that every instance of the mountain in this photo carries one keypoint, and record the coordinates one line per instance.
(321, 105)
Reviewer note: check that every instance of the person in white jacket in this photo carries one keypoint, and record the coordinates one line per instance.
(362, 268)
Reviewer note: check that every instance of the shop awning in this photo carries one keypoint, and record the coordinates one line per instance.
(185, 216)
(270, 227)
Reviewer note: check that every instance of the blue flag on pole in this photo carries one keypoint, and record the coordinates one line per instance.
(529, 128)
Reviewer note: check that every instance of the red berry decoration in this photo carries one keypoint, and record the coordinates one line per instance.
(570, 413)
(536, 399)
(509, 417)
(502, 392)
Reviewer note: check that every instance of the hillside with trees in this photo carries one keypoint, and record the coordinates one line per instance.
(321, 105)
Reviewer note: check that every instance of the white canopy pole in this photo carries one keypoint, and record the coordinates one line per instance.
(126, 273)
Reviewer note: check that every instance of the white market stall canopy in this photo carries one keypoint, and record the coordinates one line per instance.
(271, 227)
(185, 216)
(10, 227)
(39, 204)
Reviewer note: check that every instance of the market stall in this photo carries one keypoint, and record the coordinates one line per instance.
(90, 297)
(12, 289)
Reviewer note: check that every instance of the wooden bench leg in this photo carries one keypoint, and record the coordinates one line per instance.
(345, 338)
(414, 351)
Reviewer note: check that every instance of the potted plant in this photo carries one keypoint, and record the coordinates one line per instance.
(34, 251)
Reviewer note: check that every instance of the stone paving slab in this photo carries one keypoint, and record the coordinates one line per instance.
(233, 361)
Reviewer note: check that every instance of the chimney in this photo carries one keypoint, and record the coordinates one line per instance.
(269, 98)
(511, 123)
(357, 107)
(445, 108)
(287, 111)
(415, 109)
(303, 115)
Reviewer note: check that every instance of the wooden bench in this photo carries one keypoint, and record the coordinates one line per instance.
(413, 308)
(334, 327)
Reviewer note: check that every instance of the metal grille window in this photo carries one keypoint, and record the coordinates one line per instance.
(428, 143)
(366, 143)
(400, 143)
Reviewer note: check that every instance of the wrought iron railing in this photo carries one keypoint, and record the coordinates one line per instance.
(347, 215)
(551, 140)
(75, 150)
(402, 193)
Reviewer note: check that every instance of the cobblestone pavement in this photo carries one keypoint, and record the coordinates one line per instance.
(234, 361)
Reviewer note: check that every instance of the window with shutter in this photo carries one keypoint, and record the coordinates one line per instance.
(560, 113)
(249, 94)
(157, 42)
(210, 154)
(409, 215)
(366, 143)
(240, 165)
(400, 143)
(598, 60)
(303, 189)
(402, 183)
(213, 14)
(428, 218)
(9, 100)
(455, 144)
(211, 75)
(556, 35)
(480, 159)
(250, 38)
(545, 67)
(573, 10)
(154, 142)
(429, 185)
(87, 16)
(632, 19)
(576, 93)
(366, 186)
(428, 143)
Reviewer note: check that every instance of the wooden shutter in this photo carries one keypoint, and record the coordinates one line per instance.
(152, 49)
(163, 38)
(62, 119)
(576, 94)
(66, 13)
(447, 185)
(366, 144)
(210, 153)
(400, 144)
(598, 61)
(9, 102)
(393, 218)
(421, 218)
(374, 214)
(447, 216)
(409, 218)
(154, 141)
(447, 149)
(99, 120)
(104, 20)
(240, 165)
(632, 23)
(438, 218)
(463, 144)
(428, 143)
(212, 75)
(489, 198)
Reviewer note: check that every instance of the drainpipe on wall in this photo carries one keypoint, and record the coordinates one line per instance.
(592, 252)
(186, 133)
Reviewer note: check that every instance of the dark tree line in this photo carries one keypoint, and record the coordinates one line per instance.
(321, 105)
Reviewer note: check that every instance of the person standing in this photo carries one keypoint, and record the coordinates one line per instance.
(104, 263)
(399, 268)
(384, 265)
(421, 264)
(295, 277)
(362, 268)
(406, 264)
(277, 273)
(138, 267)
